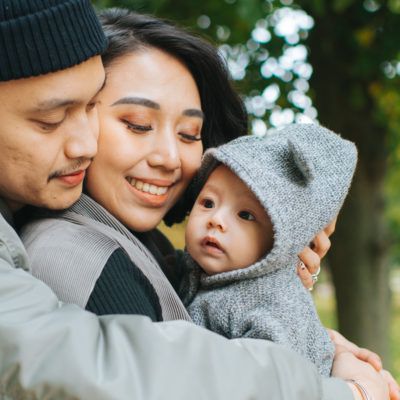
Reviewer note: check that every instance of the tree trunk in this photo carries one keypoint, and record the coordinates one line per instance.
(359, 268)
(358, 257)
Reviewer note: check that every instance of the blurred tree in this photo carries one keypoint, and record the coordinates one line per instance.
(353, 50)
(355, 87)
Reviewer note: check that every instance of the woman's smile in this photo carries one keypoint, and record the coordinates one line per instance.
(154, 193)
(149, 186)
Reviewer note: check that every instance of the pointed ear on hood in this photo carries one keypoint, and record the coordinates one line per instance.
(303, 158)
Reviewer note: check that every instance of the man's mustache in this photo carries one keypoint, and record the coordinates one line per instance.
(76, 166)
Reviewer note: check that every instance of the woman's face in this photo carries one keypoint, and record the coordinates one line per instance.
(149, 144)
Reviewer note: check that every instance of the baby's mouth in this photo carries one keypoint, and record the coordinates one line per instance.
(147, 187)
(212, 243)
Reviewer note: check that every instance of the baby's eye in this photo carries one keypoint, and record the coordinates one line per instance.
(246, 215)
(207, 203)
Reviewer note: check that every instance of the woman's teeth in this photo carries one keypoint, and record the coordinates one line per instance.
(147, 187)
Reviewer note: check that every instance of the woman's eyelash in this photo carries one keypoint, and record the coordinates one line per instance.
(146, 128)
(135, 127)
(193, 138)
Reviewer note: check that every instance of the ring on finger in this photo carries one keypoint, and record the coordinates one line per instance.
(314, 277)
(317, 273)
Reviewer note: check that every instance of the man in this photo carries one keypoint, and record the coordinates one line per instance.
(50, 71)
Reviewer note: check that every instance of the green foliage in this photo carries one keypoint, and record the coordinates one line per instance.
(394, 6)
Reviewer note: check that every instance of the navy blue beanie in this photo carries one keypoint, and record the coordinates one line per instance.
(42, 36)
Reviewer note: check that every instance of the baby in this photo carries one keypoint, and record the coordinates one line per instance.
(262, 202)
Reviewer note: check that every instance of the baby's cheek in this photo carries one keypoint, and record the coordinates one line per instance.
(250, 247)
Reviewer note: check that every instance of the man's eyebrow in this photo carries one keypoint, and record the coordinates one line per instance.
(52, 104)
(193, 112)
(141, 101)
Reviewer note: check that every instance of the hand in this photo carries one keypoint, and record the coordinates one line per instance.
(368, 356)
(347, 366)
(361, 353)
(310, 257)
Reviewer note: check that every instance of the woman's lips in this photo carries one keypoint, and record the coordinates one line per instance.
(72, 179)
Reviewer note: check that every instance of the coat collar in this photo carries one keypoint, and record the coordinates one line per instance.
(6, 212)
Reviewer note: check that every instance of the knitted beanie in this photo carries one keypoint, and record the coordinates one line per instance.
(300, 174)
(42, 36)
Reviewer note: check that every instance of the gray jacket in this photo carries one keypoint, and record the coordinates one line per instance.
(301, 175)
(50, 350)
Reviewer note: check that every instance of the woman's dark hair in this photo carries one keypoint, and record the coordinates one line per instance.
(224, 111)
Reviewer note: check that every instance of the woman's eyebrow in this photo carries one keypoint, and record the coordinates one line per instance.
(141, 101)
(193, 112)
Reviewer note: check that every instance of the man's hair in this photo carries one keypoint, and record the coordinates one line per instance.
(225, 114)
(42, 36)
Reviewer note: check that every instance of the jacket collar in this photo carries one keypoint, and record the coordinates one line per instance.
(6, 212)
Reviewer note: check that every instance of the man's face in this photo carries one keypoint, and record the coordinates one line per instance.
(48, 135)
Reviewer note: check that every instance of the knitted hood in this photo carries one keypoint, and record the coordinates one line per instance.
(300, 174)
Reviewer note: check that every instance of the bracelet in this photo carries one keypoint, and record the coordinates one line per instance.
(360, 388)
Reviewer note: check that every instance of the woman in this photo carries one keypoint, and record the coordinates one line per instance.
(167, 98)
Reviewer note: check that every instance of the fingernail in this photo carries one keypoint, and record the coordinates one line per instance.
(301, 265)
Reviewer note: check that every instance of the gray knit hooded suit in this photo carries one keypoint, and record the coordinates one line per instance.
(301, 175)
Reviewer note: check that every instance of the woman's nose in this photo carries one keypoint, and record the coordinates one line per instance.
(165, 151)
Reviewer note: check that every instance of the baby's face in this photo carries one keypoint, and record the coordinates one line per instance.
(227, 228)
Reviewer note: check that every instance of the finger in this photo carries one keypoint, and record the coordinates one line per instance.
(321, 244)
(338, 338)
(394, 393)
(370, 357)
(330, 228)
(394, 389)
(339, 349)
(304, 275)
(362, 354)
(311, 260)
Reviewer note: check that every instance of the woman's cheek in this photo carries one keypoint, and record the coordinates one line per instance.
(193, 161)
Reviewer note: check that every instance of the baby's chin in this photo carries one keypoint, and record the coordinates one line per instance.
(213, 268)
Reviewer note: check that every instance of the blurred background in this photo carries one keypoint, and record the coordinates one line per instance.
(337, 62)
